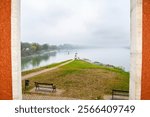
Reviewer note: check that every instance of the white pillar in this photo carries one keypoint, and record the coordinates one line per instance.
(136, 50)
(15, 49)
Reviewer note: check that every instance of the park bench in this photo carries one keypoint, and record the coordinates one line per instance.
(42, 86)
(120, 94)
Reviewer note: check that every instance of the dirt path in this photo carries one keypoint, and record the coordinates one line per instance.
(43, 71)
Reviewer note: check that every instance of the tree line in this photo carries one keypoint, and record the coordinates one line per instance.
(28, 49)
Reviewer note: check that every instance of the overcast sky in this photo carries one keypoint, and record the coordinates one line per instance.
(79, 22)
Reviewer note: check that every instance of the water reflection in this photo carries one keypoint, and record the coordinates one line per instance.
(34, 61)
(112, 56)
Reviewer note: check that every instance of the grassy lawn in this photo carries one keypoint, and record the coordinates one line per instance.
(42, 68)
(83, 80)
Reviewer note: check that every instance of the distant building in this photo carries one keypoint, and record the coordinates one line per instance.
(76, 56)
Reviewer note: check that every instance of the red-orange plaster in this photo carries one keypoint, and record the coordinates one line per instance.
(5, 50)
(145, 91)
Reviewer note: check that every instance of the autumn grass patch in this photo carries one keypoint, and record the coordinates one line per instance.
(83, 80)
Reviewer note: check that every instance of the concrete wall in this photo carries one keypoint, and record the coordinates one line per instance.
(136, 49)
(16, 49)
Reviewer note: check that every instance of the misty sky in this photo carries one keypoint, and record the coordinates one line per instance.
(80, 22)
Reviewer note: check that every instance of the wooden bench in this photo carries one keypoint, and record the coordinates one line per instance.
(120, 93)
(38, 86)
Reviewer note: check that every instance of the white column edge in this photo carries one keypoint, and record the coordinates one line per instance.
(136, 50)
(15, 50)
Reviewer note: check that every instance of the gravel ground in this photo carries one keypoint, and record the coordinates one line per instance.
(44, 97)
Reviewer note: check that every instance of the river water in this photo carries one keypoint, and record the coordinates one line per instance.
(113, 56)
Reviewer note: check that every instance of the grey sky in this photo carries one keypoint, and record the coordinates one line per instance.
(84, 22)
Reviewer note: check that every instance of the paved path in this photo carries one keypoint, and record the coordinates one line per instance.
(43, 71)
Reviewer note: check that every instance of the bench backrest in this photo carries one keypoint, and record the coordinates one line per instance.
(37, 84)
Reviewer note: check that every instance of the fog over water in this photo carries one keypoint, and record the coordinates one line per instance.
(114, 56)
(103, 25)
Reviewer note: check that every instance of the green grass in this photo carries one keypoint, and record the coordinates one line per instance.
(83, 80)
(42, 68)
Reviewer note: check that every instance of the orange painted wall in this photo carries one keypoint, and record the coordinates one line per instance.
(5, 50)
(146, 51)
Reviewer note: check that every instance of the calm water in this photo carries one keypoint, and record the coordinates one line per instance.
(113, 56)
